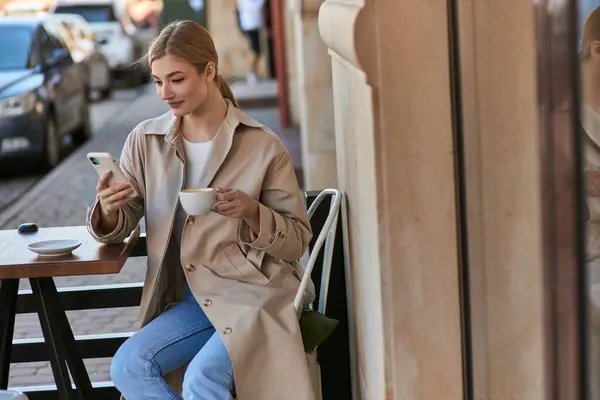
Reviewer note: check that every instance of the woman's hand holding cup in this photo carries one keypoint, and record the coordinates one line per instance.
(231, 203)
(236, 204)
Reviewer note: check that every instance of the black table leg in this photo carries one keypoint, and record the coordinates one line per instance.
(9, 290)
(59, 335)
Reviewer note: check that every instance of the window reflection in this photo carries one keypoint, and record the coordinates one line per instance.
(589, 55)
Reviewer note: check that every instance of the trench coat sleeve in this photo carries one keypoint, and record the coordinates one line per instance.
(284, 227)
(131, 213)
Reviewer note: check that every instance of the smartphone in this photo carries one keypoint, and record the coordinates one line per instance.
(103, 162)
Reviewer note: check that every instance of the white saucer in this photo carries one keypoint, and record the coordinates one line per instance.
(54, 248)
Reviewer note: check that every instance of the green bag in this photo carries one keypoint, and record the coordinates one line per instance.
(315, 328)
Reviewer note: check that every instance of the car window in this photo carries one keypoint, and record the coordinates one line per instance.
(91, 13)
(50, 39)
(47, 46)
(56, 35)
(16, 47)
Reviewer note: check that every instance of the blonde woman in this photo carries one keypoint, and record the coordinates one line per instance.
(218, 295)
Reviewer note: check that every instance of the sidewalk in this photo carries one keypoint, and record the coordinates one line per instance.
(261, 95)
(62, 197)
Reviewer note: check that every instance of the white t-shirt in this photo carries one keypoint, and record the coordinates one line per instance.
(251, 14)
(196, 155)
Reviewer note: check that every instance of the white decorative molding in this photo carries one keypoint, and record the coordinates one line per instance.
(339, 23)
(336, 25)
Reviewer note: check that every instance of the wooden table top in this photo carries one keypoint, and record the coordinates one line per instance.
(17, 261)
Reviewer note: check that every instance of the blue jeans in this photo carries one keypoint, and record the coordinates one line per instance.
(180, 335)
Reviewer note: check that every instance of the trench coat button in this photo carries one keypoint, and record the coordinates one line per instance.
(281, 234)
(227, 330)
(191, 221)
(207, 302)
(190, 267)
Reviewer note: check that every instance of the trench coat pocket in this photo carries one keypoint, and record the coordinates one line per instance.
(249, 271)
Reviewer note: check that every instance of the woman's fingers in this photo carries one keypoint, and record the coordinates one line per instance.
(112, 190)
(226, 206)
(227, 194)
(233, 212)
(113, 207)
(103, 181)
(117, 196)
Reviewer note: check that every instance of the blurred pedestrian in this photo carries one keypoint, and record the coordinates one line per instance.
(251, 19)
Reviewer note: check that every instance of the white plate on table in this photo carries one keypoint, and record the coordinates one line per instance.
(54, 248)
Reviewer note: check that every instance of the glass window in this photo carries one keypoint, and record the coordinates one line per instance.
(589, 58)
(47, 45)
(55, 34)
(15, 47)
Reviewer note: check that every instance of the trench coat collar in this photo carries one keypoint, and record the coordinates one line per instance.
(168, 125)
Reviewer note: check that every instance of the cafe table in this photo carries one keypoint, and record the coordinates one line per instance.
(17, 262)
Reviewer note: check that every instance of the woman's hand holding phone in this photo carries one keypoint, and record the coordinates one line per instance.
(112, 197)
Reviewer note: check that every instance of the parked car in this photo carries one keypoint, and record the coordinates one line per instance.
(114, 30)
(42, 92)
(81, 41)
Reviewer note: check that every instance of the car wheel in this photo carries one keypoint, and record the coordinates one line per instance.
(52, 153)
(106, 92)
(84, 132)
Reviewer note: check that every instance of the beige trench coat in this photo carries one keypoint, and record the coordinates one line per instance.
(245, 283)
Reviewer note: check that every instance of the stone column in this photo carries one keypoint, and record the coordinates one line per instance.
(501, 139)
(315, 97)
(394, 142)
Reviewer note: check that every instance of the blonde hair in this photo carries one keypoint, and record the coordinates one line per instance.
(190, 42)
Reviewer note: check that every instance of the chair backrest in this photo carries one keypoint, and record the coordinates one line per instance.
(327, 237)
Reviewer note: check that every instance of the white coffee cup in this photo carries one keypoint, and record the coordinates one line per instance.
(198, 201)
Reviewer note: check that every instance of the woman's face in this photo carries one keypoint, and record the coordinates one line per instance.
(179, 84)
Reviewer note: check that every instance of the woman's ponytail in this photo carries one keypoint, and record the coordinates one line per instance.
(225, 90)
